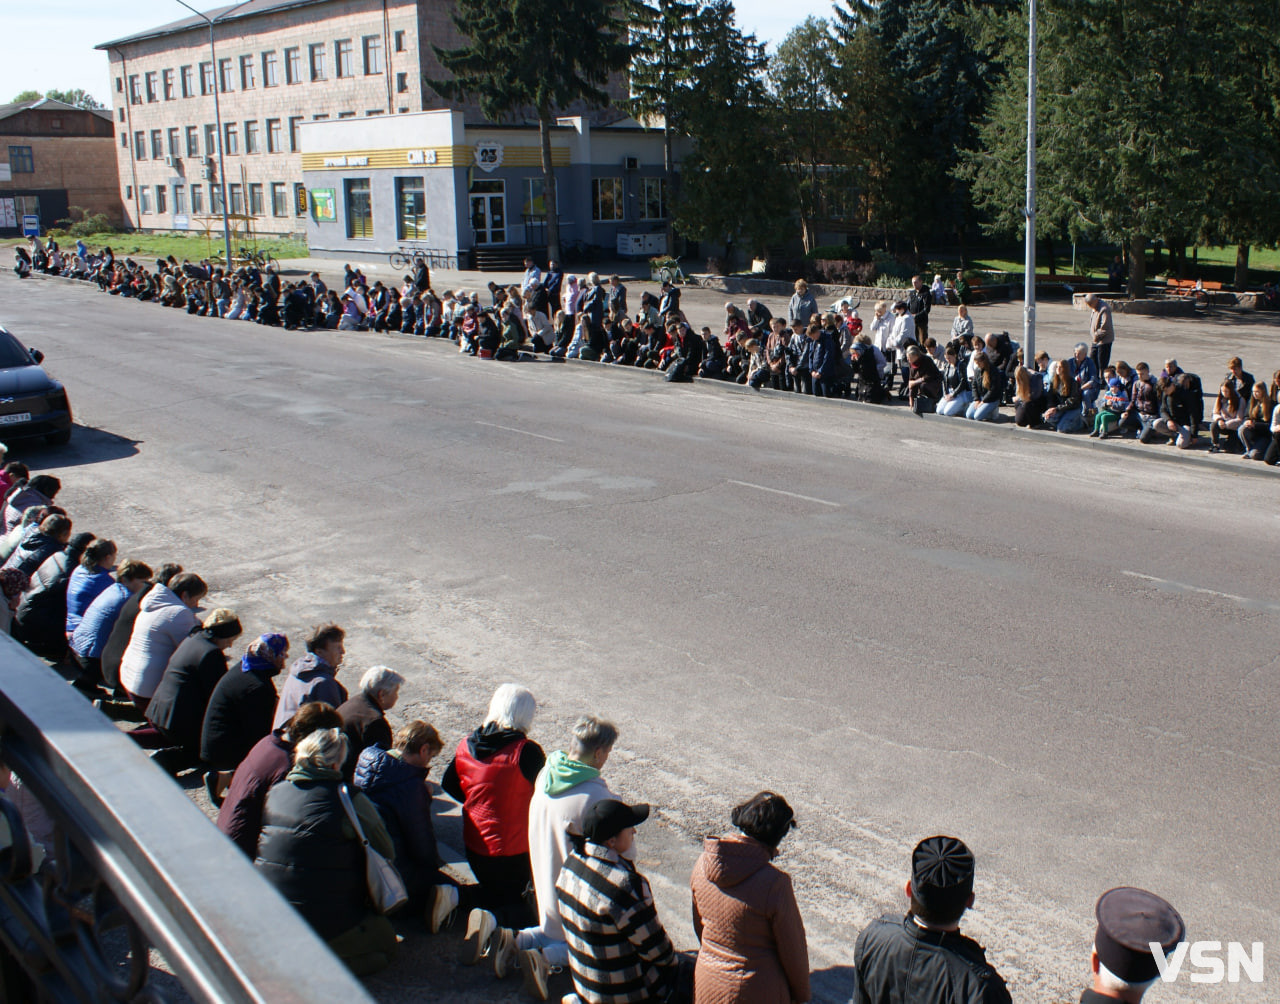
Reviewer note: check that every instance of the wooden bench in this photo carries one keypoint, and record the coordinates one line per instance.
(1188, 287)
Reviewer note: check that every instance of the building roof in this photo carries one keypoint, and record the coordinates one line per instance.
(49, 104)
(227, 13)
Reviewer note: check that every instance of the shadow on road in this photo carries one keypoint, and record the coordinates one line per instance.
(834, 984)
(87, 446)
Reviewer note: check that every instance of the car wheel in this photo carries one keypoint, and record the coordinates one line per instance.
(58, 438)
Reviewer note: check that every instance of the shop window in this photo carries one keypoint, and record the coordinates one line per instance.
(653, 199)
(359, 205)
(606, 199)
(411, 198)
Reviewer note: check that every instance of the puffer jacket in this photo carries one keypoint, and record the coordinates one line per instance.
(42, 614)
(163, 622)
(22, 500)
(310, 679)
(82, 589)
(90, 636)
(753, 948)
(399, 792)
(32, 551)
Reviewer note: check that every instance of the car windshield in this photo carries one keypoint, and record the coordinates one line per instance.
(12, 352)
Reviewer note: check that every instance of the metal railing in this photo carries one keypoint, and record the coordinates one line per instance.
(133, 856)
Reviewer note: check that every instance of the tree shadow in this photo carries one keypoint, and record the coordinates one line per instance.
(87, 446)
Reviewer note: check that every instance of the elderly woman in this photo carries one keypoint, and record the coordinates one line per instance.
(310, 851)
(752, 943)
(364, 720)
(492, 775)
(243, 704)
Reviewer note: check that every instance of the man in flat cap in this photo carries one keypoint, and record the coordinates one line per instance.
(1130, 922)
(923, 958)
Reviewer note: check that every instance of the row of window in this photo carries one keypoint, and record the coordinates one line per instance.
(177, 142)
(155, 198)
(267, 67)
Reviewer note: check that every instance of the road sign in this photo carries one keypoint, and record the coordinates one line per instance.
(31, 226)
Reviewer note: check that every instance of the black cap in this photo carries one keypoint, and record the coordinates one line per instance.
(609, 817)
(942, 873)
(1129, 920)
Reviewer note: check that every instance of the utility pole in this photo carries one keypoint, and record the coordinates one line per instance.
(1029, 280)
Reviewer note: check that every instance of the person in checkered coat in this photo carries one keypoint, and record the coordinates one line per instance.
(618, 950)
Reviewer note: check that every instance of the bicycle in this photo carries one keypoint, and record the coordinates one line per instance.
(674, 274)
(259, 258)
(406, 258)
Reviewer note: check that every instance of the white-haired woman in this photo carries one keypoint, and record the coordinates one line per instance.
(364, 720)
(311, 853)
(492, 775)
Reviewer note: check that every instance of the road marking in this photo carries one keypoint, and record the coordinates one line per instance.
(779, 491)
(1183, 587)
(522, 432)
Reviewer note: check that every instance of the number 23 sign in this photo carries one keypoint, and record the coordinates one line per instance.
(488, 156)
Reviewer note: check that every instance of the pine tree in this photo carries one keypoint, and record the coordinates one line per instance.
(531, 55)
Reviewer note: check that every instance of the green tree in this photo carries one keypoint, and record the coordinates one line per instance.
(662, 76)
(78, 97)
(803, 80)
(733, 190)
(28, 96)
(531, 55)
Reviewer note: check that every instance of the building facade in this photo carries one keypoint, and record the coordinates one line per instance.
(435, 182)
(54, 156)
(271, 66)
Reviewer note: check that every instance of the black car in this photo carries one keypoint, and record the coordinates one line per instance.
(32, 403)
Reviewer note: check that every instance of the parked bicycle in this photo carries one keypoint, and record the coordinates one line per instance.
(674, 274)
(259, 258)
(406, 258)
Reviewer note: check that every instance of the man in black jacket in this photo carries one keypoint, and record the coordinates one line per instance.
(923, 956)
(918, 303)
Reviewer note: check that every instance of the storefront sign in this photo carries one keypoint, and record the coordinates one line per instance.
(324, 209)
(346, 162)
(422, 156)
(488, 156)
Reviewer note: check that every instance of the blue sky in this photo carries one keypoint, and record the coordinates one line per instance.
(55, 38)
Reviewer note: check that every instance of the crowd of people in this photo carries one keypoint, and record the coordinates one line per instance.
(310, 781)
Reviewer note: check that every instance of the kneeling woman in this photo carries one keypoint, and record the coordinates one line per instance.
(988, 385)
(312, 854)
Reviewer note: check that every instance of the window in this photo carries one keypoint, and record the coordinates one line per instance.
(255, 200)
(273, 136)
(402, 83)
(139, 146)
(411, 203)
(224, 75)
(21, 161)
(293, 133)
(128, 191)
(215, 200)
(292, 66)
(320, 118)
(372, 55)
(161, 199)
(144, 199)
(157, 144)
(237, 199)
(233, 140)
(246, 73)
(180, 199)
(172, 138)
(279, 199)
(26, 205)
(120, 112)
(193, 141)
(210, 140)
(399, 40)
(359, 209)
(653, 199)
(299, 199)
(345, 115)
(152, 80)
(135, 90)
(534, 204)
(606, 199)
(167, 79)
(316, 53)
(188, 82)
(119, 85)
(270, 69)
(197, 199)
(124, 140)
(251, 144)
(206, 78)
(342, 58)
(375, 111)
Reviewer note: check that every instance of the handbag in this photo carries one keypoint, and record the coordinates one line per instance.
(386, 887)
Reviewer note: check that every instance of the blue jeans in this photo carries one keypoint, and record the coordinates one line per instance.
(1071, 421)
(982, 412)
(956, 406)
(555, 952)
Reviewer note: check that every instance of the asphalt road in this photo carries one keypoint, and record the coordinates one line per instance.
(1061, 652)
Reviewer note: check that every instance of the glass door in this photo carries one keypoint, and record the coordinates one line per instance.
(489, 212)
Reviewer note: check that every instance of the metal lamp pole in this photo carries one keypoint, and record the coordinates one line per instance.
(1029, 280)
(217, 115)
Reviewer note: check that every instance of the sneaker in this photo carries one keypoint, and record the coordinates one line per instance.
(444, 900)
(535, 971)
(504, 952)
(481, 925)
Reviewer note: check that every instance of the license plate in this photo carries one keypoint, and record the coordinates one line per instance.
(15, 419)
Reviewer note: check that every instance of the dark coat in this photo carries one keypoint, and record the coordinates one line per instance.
(41, 619)
(177, 707)
(896, 961)
(364, 725)
(32, 551)
(240, 817)
(239, 714)
(399, 790)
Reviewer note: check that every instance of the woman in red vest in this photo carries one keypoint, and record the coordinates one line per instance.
(492, 775)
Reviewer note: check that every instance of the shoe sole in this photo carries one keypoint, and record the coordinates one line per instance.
(533, 978)
(504, 954)
(476, 945)
(442, 911)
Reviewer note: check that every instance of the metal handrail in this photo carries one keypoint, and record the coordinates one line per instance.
(227, 934)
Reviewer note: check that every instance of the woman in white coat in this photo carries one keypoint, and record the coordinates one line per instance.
(166, 617)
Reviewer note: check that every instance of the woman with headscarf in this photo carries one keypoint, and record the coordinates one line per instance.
(243, 704)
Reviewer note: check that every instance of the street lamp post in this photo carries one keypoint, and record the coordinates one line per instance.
(217, 116)
(1029, 279)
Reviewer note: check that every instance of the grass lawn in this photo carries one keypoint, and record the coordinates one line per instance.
(1211, 263)
(194, 246)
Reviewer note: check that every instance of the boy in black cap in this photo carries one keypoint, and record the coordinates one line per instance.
(923, 957)
(1130, 921)
(618, 950)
